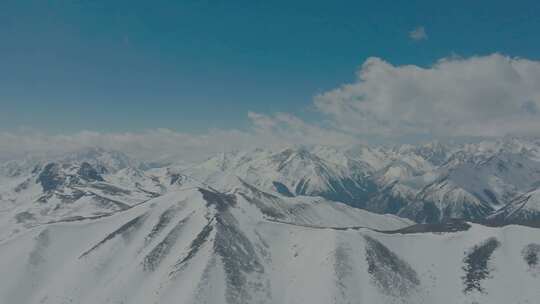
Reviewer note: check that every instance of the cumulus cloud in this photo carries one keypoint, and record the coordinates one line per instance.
(492, 95)
(418, 34)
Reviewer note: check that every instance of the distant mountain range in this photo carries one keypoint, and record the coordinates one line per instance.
(427, 183)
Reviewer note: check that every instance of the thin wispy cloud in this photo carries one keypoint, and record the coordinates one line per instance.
(266, 131)
(418, 34)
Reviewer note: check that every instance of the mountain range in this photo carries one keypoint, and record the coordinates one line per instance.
(428, 223)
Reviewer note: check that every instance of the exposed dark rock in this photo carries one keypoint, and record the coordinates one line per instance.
(108, 203)
(267, 203)
(384, 201)
(110, 189)
(256, 192)
(454, 225)
(389, 272)
(36, 169)
(196, 244)
(22, 186)
(89, 173)
(221, 201)
(164, 219)
(351, 192)
(177, 179)
(491, 196)
(238, 254)
(267, 210)
(342, 268)
(282, 189)
(516, 211)
(239, 259)
(78, 218)
(421, 212)
(477, 268)
(468, 211)
(70, 198)
(150, 193)
(301, 187)
(153, 259)
(531, 255)
(50, 177)
(124, 231)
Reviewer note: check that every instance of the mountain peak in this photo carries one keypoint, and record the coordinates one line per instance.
(102, 159)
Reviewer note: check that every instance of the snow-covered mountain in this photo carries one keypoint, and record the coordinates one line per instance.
(524, 208)
(430, 182)
(401, 224)
(290, 172)
(445, 199)
(426, 183)
(60, 191)
(103, 160)
(108, 160)
(473, 190)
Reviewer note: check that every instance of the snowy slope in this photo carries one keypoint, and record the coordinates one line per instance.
(202, 246)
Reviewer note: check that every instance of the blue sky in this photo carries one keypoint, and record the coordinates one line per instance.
(115, 66)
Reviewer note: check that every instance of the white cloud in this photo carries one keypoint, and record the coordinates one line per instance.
(287, 129)
(480, 96)
(149, 145)
(164, 144)
(491, 95)
(418, 34)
